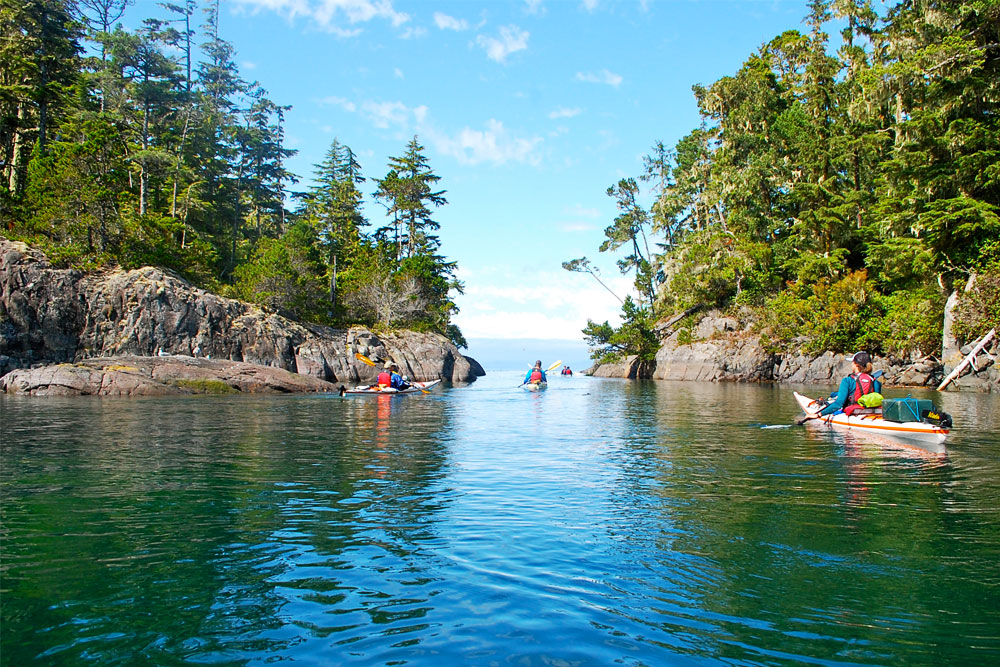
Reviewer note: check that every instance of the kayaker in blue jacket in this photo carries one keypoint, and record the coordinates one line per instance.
(396, 381)
(536, 374)
(854, 386)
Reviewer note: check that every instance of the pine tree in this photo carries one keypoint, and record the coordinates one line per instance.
(39, 65)
(333, 208)
(408, 192)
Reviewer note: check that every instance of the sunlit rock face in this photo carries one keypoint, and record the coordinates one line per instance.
(50, 315)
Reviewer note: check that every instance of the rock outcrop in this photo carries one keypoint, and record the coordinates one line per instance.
(157, 376)
(50, 316)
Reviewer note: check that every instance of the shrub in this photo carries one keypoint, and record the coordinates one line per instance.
(979, 309)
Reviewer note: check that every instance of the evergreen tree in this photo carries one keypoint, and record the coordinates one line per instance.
(39, 65)
(333, 208)
(409, 190)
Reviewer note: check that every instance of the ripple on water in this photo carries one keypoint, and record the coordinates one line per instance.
(601, 522)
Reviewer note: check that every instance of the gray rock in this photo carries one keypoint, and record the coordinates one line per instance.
(157, 376)
(50, 315)
(733, 354)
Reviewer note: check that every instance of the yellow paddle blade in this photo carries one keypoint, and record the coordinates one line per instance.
(554, 366)
(364, 359)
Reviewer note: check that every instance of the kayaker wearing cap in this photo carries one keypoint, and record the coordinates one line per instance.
(396, 381)
(536, 374)
(854, 386)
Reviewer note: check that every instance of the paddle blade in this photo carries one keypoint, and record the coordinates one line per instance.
(554, 366)
(364, 359)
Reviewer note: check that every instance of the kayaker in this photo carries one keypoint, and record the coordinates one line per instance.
(854, 386)
(566, 371)
(384, 379)
(536, 374)
(396, 381)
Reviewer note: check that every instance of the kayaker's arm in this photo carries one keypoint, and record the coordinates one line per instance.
(845, 390)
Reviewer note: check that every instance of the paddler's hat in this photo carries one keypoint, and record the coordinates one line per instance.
(861, 359)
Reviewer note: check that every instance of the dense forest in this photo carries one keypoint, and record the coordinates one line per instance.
(835, 192)
(126, 148)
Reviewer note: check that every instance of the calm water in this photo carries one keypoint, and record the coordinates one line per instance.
(602, 522)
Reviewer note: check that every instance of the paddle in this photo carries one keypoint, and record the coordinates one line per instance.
(552, 367)
(803, 420)
(368, 361)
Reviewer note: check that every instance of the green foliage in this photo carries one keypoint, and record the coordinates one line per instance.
(905, 322)
(284, 275)
(206, 386)
(849, 315)
(633, 337)
(715, 267)
(979, 311)
(816, 171)
(151, 152)
(819, 317)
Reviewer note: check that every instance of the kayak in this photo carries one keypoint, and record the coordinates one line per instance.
(913, 431)
(366, 390)
(535, 386)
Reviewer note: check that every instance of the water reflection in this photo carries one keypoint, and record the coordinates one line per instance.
(595, 523)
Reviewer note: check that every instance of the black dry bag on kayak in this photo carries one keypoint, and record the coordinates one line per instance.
(936, 417)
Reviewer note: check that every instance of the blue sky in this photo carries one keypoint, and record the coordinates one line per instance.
(528, 111)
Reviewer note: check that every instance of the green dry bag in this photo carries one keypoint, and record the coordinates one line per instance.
(871, 400)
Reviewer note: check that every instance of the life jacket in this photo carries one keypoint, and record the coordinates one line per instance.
(384, 379)
(536, 375)
(863, 384)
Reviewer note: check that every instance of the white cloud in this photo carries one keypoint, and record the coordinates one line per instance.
(576, 227)
(248, 64)
(511, 40)
(345, 33)
(534, 7)
(500, 302)
(445, 22)
(330, 14)
(604, 76)
(494, 144)
(385, 114)
(562, 112)
(583, 212)
(413, 33)
(344, 104)
(398, 73)
(590, 5)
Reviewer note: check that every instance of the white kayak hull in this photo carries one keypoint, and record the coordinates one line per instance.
(906, 431)
(366, 390)
(536, 386)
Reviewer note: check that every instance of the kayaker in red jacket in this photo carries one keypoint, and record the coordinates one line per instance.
(855, 385)
(536, 374)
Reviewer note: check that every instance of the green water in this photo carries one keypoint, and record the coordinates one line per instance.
(600, 522)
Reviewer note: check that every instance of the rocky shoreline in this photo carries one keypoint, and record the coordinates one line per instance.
(152, 320)
(725, 350)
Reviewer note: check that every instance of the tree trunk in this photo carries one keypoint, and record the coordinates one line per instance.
(143, 175)
(333, 284)
(177, 166)
(15, 154)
